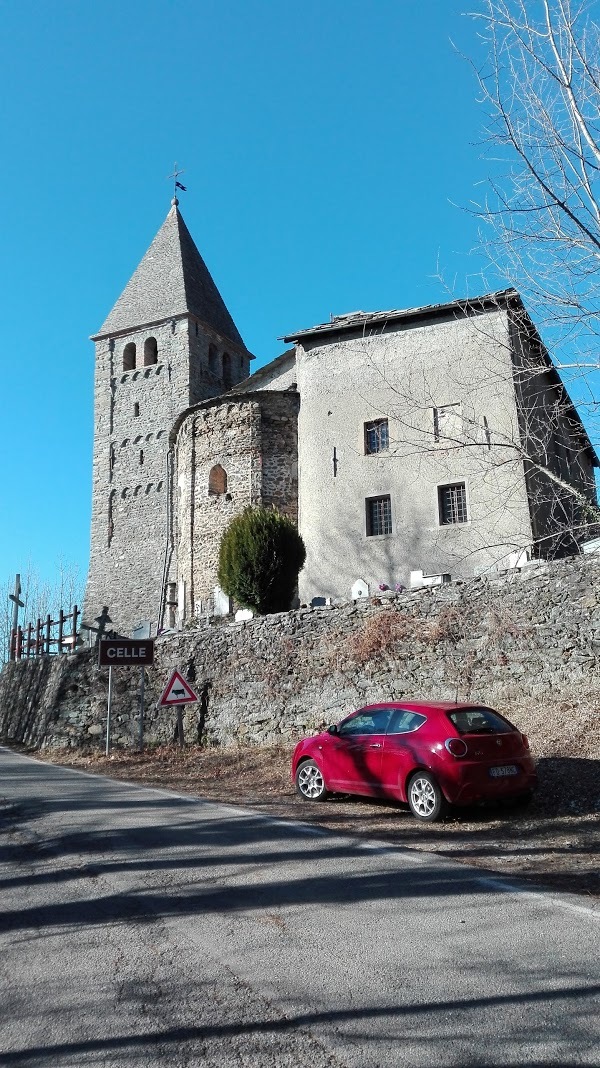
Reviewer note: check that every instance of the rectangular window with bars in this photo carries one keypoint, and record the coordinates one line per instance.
(379, 516)
(377, 436)
(452, 501)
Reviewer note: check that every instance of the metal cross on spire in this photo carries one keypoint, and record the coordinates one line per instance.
(176, 184)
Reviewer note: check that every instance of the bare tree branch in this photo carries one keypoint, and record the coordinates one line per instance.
(540, 86)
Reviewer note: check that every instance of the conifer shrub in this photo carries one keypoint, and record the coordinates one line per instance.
(260, 557)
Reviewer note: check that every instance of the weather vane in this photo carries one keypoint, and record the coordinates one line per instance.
(176, 184)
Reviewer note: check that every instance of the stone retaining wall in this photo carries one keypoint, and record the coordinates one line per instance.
(531, 633)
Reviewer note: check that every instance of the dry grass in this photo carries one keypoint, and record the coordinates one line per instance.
(554, 842)
(380, 635)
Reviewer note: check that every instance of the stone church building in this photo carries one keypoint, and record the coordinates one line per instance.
(407, 445)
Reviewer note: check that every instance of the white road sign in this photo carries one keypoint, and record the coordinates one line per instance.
(177, 692)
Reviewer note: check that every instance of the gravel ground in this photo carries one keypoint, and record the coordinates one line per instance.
(553, 842)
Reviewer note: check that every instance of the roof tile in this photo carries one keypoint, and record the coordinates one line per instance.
(171, 279)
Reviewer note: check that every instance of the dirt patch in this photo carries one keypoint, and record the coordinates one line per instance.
(555, 841)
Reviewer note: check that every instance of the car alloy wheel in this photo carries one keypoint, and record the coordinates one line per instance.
(425, 799)
(310, 783)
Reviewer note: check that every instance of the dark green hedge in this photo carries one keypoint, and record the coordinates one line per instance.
(260, 557)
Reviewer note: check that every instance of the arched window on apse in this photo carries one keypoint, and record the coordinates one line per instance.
(227, 376)
(213, 360)
(150, 351)
(217, 480)
(129, 356)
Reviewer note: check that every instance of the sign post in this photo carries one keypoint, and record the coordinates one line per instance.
(108, 710)
(141, 739)
(177, 692)
(125, 652)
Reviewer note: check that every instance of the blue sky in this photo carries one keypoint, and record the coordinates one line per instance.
(325, 145)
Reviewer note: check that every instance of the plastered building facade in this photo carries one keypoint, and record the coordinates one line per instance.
(437, 440)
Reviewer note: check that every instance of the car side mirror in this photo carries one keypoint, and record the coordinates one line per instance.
(333, 729)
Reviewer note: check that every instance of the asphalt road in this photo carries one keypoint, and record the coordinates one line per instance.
(142, 928)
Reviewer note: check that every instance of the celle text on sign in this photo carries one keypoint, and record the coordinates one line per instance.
(125, 652)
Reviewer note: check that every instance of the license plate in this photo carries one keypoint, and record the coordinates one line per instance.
(504, 769)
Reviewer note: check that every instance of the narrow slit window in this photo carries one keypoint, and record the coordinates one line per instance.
(379, 516)
(111, 523)
(227, 371)
(136, 409)
(213, 360)
(487, 434)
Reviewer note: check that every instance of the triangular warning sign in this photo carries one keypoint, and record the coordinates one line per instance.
(177, 692)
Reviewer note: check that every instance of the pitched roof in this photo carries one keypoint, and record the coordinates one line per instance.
(289, 356)
(171, 279)
(359, 320)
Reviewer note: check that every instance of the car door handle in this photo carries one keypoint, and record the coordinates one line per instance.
(375, 745)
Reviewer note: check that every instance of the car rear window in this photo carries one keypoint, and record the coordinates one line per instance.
(479, 721)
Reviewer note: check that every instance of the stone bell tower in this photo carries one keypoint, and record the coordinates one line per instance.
(168, 343)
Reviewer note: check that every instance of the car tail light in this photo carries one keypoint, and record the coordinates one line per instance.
(525, 741)
(456, 747)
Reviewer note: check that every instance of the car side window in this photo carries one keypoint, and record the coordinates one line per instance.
(373, 722)
(403, 722)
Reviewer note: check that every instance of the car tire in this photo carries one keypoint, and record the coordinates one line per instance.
(310, 783)
(425, 798)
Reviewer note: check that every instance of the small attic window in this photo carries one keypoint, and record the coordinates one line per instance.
(129, 356)
(217, 480)
(150, 351)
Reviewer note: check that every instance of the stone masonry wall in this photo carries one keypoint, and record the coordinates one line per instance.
(135, 411)
(530, 634)
(253, 438)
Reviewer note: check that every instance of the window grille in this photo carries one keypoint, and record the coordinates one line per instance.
(379, 516)
(377, 436)
(453, 504)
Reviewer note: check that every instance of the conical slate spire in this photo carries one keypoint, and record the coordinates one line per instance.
(171, 279)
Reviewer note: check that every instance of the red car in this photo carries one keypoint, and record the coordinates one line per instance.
(429, 754)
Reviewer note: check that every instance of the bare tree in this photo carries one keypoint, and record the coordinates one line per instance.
(40, 597)
(540, 83)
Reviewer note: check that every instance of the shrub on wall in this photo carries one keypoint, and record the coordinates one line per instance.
(260, 557)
